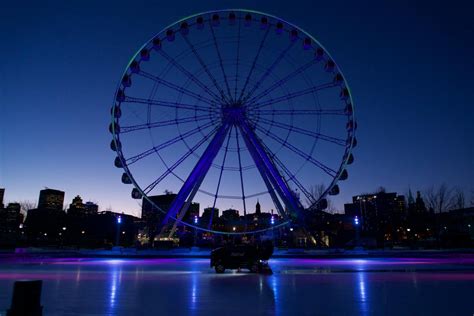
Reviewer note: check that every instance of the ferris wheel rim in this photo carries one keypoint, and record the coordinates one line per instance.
(348, 149)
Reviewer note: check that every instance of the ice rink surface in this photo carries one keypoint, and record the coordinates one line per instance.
(394, 286)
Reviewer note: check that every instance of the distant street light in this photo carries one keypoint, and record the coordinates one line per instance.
(64, 228)
(233, 228)
(119, 221)
(196, 220)
(357, 233)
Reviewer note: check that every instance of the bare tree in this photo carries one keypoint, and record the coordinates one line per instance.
(440, 199)
(459, 199)
(316, 191)
(472, 197)
(26, 205)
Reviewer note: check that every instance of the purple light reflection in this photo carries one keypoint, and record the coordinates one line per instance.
(348, 286)
(364, 302)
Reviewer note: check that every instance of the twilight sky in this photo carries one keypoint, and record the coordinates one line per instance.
(409, 65)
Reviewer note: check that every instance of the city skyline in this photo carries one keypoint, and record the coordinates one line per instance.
(452, 194)
(414, 129)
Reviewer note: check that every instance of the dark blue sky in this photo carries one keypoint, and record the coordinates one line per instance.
(409, 65)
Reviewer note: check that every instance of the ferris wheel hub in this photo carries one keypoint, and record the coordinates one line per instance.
(233, 113)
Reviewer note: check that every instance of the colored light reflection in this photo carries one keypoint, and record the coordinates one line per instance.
(362, 293)
(126, 286)
(116, 276)
(194, 292)
(275, 286)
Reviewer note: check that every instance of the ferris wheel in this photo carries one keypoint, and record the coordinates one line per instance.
(232, 107)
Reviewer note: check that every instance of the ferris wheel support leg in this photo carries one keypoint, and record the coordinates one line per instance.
(195, 178)
(180, 216)
(185, 207)
(263, 174)
(273, 195)
(264, 162)
(266, 179)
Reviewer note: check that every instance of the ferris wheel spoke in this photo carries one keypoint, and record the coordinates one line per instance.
(291, 128)
(224, 98)
(220, 178)
(192, 77)
(291, 176)
(262, 42)
(268, 171)
(189, 119)
(299, 112)
(176, 87)
(168, 104)
(240, 172)
(299, 152)
(293, 95)
(282, 81)
(170, 170)
(237, 61)
(268, 71)
(229, 94)
(168, 143)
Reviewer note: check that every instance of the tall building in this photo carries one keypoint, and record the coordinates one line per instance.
(149, 211)
(258, 209)
(380, 214)
(51, 199)
(420, 206)
(77, 207)
(153, 217)
(230, 215)
(10, 224)
(77, 202)
(2, 193)
(13, 215)
(208, 212)
(91, 208)
(209, 215)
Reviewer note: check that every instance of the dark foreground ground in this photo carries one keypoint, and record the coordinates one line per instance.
(394, 286)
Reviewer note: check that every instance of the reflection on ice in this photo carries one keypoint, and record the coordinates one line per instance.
(194, 292)
(274, 281)
(364, 304)
(298, 287)
(116, 274)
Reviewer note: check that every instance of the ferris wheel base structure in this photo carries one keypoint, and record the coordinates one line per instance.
(268, 111)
